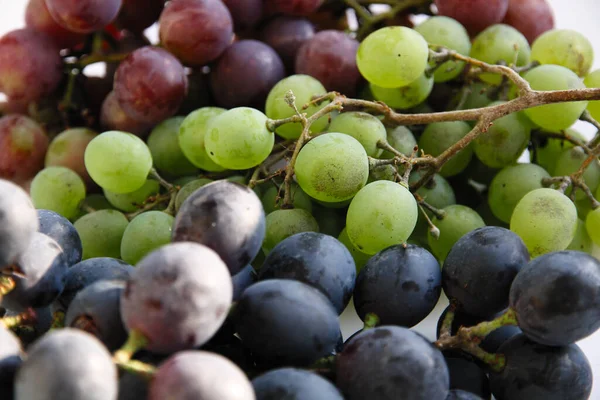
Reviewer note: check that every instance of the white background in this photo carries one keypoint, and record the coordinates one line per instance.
(581, 15)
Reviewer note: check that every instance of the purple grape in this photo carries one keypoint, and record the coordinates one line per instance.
(112, 117)
(83, 16)
(293, 7)
(178, 297)
(62, 230)
(137, 15)
(291, 383)
(38, 17)
(245, 13)
(133, 386)
(475, 15)
(243, 280)
(530, 17)
(42, 324)
(286, 35)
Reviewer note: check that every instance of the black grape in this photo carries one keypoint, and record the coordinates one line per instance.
(234, 351)
(457, 394)
(467, 375)
(10, 360)
(62, 230)
(292, 383)
(316, 259)
(225, 216)
(286, 35)
(242, 280)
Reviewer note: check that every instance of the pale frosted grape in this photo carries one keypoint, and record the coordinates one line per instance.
(58, 189)
(365, 128)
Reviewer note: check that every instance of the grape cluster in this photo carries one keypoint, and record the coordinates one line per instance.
(193, 223)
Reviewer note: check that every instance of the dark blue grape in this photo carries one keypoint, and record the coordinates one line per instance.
(467, 375)
(286, 322)
(133, 386)
(10, 360)
(401, 285)
(225, 216)
(242, 280)
(457, 394)
(96, 309)
(537, 372)
(492, 342)
(30, 333)
(480, 268)
(318, 260)
(296, 384)
(556, 297)
(390, 361)
(62, 230)
(234, 351)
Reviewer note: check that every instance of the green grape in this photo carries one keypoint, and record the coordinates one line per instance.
(439, 136)
(593, 81)
(360, 258)
(458, 220)
(584, 206)
(548, 150)
(479, 172)
(401, 139)
(101, 233)
(564, 47)
(237, 179)
(365, 128)
(382, 173)
(118, 161)
(592, 225)
(187, 189)
(498, 43)
(510, 185)
(485, 212)
(191, 137)
(554, 117)
(184, 180)
(569, 161)
(58, 189)
(98, 202)
(382, 214)
(332, 167)
(304, 88)
(164, 146)
(336, 205)
(281, 224)
(130, 202)
(504, 141)
(446, 32)
(392, 57)
(273, 198)
(476, 97)
(145, 233)
(239, 138)
(331, 222)
(581, 241)
(546, 220)
(405, 97)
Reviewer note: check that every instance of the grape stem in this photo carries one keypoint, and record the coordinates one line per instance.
(7, 284)
(26, 318)
(371, 321)
(439, 214)
(562, 135)
(264, 169)
(587, 117)
(135, 342)
(156, 176)
(151, 203)
(58, 320)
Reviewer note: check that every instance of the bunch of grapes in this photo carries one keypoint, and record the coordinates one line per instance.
(193, 223)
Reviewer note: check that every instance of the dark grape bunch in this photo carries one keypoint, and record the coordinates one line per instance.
(206, 214)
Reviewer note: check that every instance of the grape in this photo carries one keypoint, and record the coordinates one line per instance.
(475, 15)
(137, 15)
(113, 117)
(500, 43)
(30, 65)
(382, 214)
(242, 281)
(458, 220)
(293, 7)
(192, 134)
(166, 152)
(95, 309)
(286, 35)
(178, 297)
(10, 360)
(592, 225)
(547, 150)
(225, 216)
(262, 319)
(380, 363)
(401, 55)
(365, 128)
(383, 173)
(245, 13)
(447, 32)
(304, 88)
(457, 394)
(130, 161)
(477, 96)
(401, 139)
(530, 17)
(63, 232)
(400, 285)
(510, 185)
(332, 167)
(74, 364)
(200, 375)
(83, 16)
(187, 190)
(58, 189)
(592, 80)
(315, 259)
(101, 233)
(294, 384)
(404, 97)
(67, 150)
(196, 31)
(534, 371)
(130, 202)
(360, 258)
(38, 17)
(554, 117)
(133, 386)
(330, 57)
(468, 379)
(581, 241)
(439, 136)
(299, 199)
(564, 47)
(569, 161)
(144, 102)
(24, 144)
(245, 74)
(331, 221)
(546, 220)
(146, 232)
(281, 224)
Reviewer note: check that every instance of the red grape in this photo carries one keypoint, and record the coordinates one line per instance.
(293, 7)
(67, 150)
(83, 16)
(96, 89)
(30, 65)
(113, 117)
(137, 15)
(330, 57)
(530, 17)
(245, 13)
(285, 35)
(127, 43)
(24, 144)
(38, 17)
(475, 15)
(196, 31)
(150, 84)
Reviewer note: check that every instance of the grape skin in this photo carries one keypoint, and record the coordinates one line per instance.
(592, 224)
(137, 15)
(458, 221)
(145, 233)
(38, 17)
(293, 7)
(245, 13)
(130, 202)
(296, 383)
(592, 80)
(404, 97)
(166, 152)
(475, 15)
(67, 149)
(60, 229)
(83, 16)
(364, 127)
(58, 189)
(439, 136)
(187, 190)
(286, 35)
(281, 224)
(192, 135)
(101, 233)
(112, 117)
(530, 17)
(566, 48)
